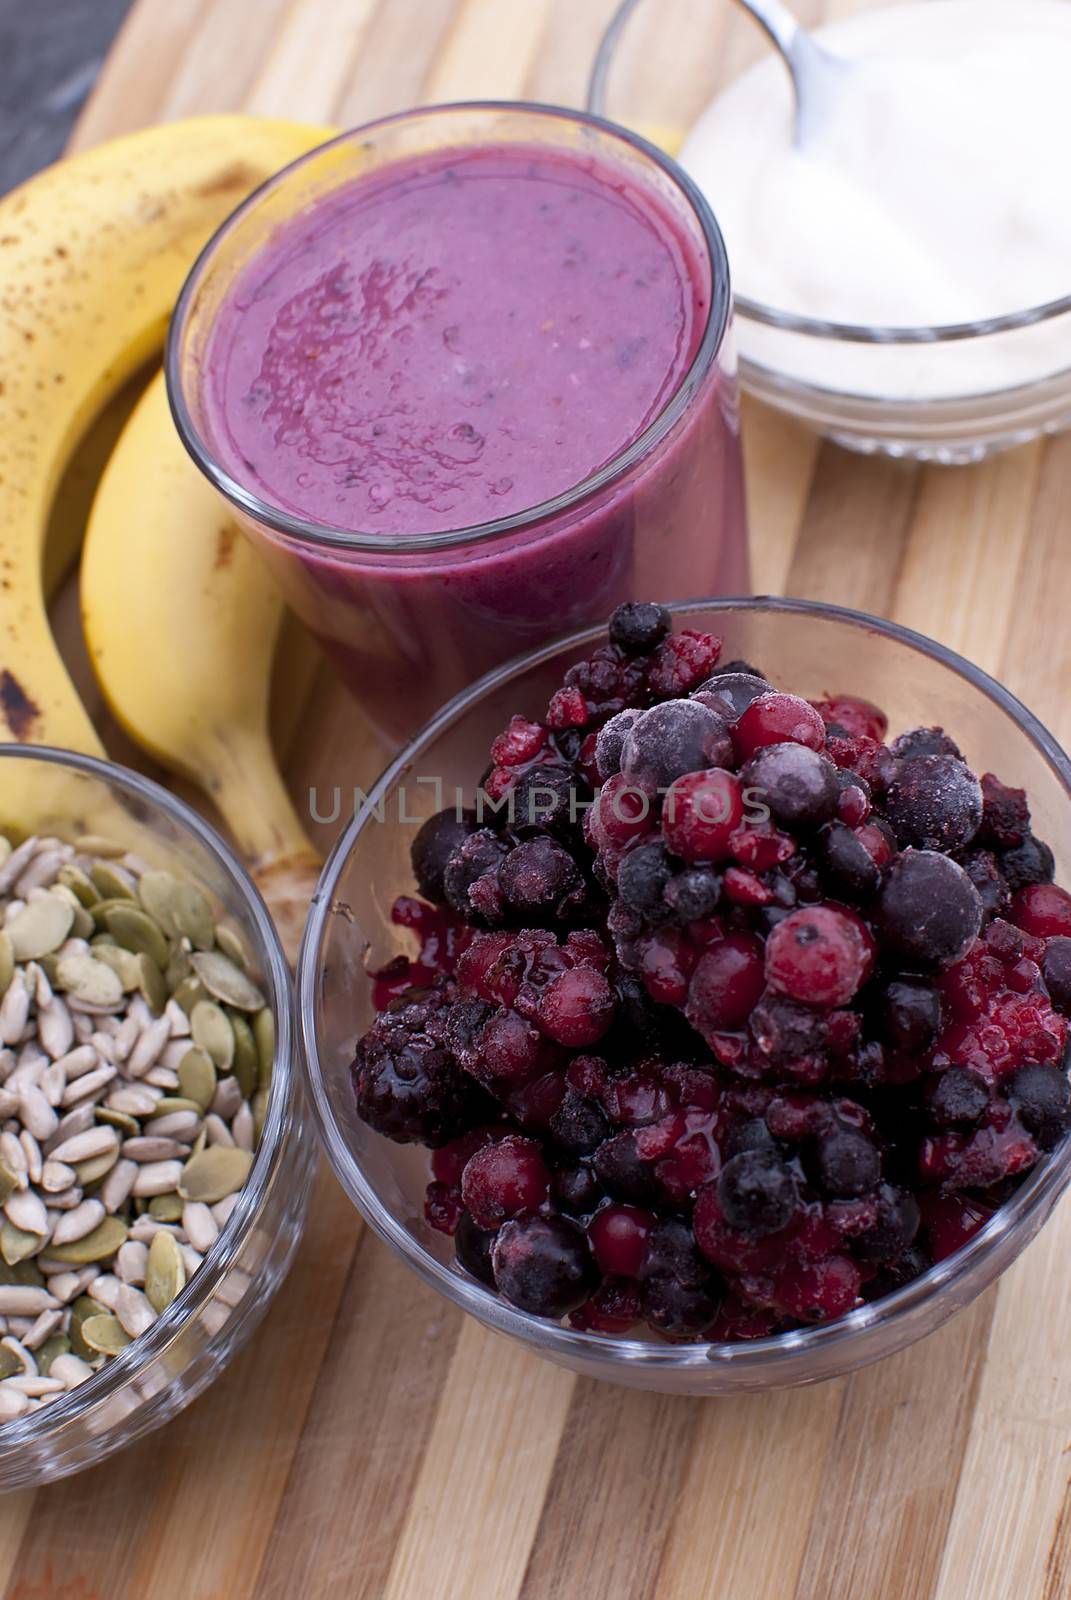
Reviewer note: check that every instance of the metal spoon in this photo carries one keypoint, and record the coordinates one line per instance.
(814, 70)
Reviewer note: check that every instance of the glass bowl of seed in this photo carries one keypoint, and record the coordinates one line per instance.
(154, 1163)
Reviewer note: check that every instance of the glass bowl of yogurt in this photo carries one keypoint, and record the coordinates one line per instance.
(466, 375)
(901, 276)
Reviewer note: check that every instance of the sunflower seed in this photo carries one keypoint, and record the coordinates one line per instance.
(199, 1226)
(222, 1209)
(25, 1210)
(12, 1402)
(55, 1028)
(90, 1086)
(63, 1286)
(165, 1273)
(180, 1022)
(36, 1112)
(134, 1310)
(227, 1098)
(242, 1127)
(14, 1010)
(145, 1052)
(217, 1132)
(83, 1058)
(126, 1038)
(52, 1085)
(118, 1185)
(56, 1176)
(130, 1261)
(70, 1370)
(17, 1301)
(45, 1324)
(85, 1146)
(182, 1126)
(124, 963)
(77, 1223)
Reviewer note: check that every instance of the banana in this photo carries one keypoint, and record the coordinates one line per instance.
(93, 252)
(182, 619)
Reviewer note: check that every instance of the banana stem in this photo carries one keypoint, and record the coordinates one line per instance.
(245, 785)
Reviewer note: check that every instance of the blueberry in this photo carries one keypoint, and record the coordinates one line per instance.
(730, 693)
(433, 846)
(693, 895)
(610, 741)
(621, 1171)
(680, 1309)
(853, 872)
(797, 784)
(478, 856)
(643, 876)
(934, 802)
(911, 1015)
(672, 1253)
(757, 1193)
(928, 910)
(925, 742)
(894, 1274)
(671, 739)
(845, 1162)
(548, 798)
(576, 1189)
(1042, 1097)
(543, 1265)
(579, 1125)
(1056, 970)
(896, 1227)
(751, 1134)
(472, 1245)
(638, 626)
(957, 1095)
(1030, 862)
(738, 669)
(540, 879)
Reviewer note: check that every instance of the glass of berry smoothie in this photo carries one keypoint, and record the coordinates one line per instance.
(466, 375)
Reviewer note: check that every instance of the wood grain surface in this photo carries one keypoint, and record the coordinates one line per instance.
(371, 1442)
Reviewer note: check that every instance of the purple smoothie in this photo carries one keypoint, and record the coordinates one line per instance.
(457, 339)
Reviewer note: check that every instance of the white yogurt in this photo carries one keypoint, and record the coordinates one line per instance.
(936, 191)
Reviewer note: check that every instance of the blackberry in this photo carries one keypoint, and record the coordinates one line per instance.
(957, 1095)
(797, 784)
(539, 879)
(407, 1083)
(1042, 1097)
(638, 626)
(928, 910)
(757, 1193)
(543, 1265)
(433, 846)
(983, 869)
(925, 742)
(608, 680)
(472, 1245)
(476, 858)
(1005, 814)
(1030, 862)
(671, 739)
(934, 802)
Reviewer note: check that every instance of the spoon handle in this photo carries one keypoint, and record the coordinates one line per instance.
(774, 17)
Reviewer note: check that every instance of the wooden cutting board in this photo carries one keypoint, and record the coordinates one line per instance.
(371, 1442)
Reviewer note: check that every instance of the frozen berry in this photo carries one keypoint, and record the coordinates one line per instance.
(854, 802)
(567, 709)
(681, 662)
(852, 870)
(576, 1189)
(539, 878)
(671, 739)
(925, 742)
(621, 1170)
(731, 692)
(796, 783)
(934, 802)
(819, 954)
(895, 1227)
(522, 741)
(638, 626)
(1030, 862)
(701, 813)
(818, 1291)
(504, 1179)
(957, 1095)
(1043, 909)
(726, 984)
(845, 1162)
(477, 857)
(543, 1265)
(858, 718)
(579, 1125)
(548, 796)
(621, 812)
(928, 910)
(982, 868)
(610, 742)
(911, 1015)
(757, 1193)
(433, 846)
(1042, 1097)
(407, 1083)
(472, 1245)
(1056, 970)
(678, 1309)
(618, 1237)
(775, 718)
(784, 1031)
(1005, 814)
(577, 1007)
(690, 896)
(643, 876)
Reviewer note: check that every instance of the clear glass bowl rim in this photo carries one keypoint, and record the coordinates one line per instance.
(316, 533)
(120, 1369)
(1040, 1190)
(815, 327)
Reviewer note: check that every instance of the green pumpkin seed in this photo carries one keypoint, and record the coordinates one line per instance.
(165, 1271)
(39, 928)
(57, 1344)
(199, 1143)
(189, 994)
(197, 1077)
(89, 979)
(8, 1183)
(100, 911)
(218, 1171)
(173, 1102)
(99, 844)
(96, 1167)
(166, 1207)
(232, 946)
(179, 967)
(122, 962)
(103, 1241)
(226, 982)
(135, 930)
(157, 892)
(10, 1363)
(16, 1244)
(82, 1309)
(83, 925)
(212, 1033)
(112, 882)
(246, 1063)
(118, 1119)
(151, 983)
(27, 1274)
(5, 848)
(79, 883)
(193, 916)
(105, 1334)
(264, 1034)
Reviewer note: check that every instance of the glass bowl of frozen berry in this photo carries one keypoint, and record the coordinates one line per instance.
(690, 999)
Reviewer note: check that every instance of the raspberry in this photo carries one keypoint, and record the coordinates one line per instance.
(702, 811)
(856, 717)
(681, 662)
(820, 955)
(567, 709)
(609, 681)
(522, 741)
(775, 718)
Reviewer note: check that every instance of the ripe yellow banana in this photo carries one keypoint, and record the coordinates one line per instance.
(182, 619)
(93, 252)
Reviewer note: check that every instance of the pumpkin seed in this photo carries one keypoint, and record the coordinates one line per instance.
(104, 1241)
(151, 983)
(99, 844)
(57, 1344)
(83, 925)
(112, 882)
(122, 962)
(218, 1171)
(246, 1062)
(16, 1244)
(157, 893)
(7, 960)
(232, 946)
(79, 883)
(264, 1034)
(166, 1207)
(213, 1033)
(27, 1273)
(39, 928)
(8, 1181)
(226, 982)
(119, 1119)
(135, 930)
(169, 1104)
(105, 1334)
(193, 916)
(88, 979)
(189, 994)
(179, 967)
(165, 1271)
(197, 1077)
(10, 1363)
(94, 1168)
